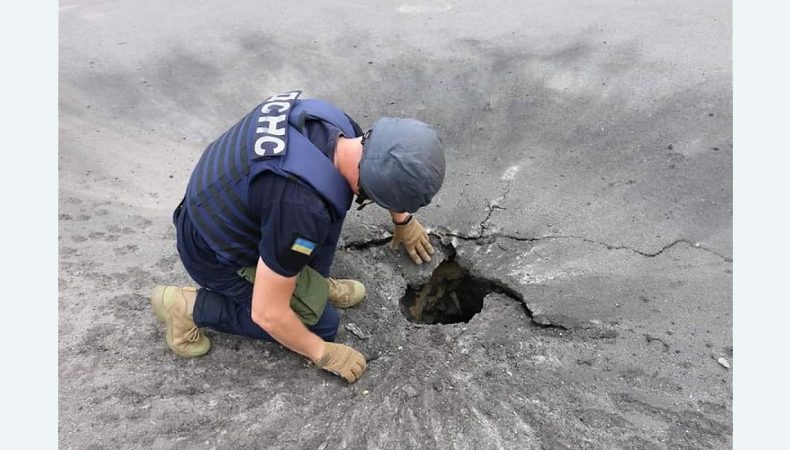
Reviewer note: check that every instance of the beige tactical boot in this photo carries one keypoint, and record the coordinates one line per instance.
(345, 293)
(173, 305)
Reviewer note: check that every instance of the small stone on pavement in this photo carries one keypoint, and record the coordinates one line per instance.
(410, 391)
(356, 331)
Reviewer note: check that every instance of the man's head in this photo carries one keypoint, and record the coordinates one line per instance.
(402, 164)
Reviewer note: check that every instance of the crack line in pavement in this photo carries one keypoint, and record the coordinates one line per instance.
(365, 244)
(491, 206)
(490, 237)
(666, 247)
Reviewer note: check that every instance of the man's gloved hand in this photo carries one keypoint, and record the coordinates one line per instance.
(342, 360)
(414, 237)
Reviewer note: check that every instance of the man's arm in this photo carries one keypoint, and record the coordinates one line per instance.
(271, 310)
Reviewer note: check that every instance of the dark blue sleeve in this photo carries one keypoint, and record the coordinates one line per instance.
(294, 225)
(325, 253)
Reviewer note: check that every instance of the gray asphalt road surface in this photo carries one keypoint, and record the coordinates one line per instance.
(589, 186)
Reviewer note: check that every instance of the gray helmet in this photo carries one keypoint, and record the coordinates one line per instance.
(402, 165)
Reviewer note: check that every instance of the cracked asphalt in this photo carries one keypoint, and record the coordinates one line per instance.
(589, 175)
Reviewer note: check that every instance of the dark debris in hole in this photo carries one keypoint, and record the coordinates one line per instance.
(450, 296)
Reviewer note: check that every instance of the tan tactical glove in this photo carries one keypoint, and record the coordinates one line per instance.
(414, 237)
(342, 360)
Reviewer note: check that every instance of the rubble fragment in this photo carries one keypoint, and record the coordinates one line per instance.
(356, 331)
(410, 391)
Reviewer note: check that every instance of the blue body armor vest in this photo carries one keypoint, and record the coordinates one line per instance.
(270, 138)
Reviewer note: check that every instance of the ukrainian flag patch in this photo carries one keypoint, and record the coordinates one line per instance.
(303, 246)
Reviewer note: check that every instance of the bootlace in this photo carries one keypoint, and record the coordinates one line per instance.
(193, 335)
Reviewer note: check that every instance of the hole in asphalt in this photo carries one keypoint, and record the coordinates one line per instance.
(450, 296)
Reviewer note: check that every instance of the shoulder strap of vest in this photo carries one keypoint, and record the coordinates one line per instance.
(323, 110)
(305, 161)
(312, 167)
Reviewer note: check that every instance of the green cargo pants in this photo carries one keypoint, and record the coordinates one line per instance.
(310, 295)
